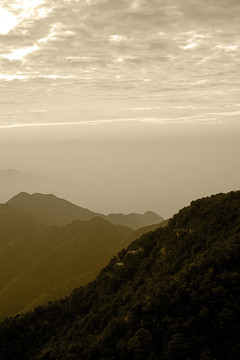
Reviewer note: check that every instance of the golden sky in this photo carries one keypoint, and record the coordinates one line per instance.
(134, 105)
(156, 61)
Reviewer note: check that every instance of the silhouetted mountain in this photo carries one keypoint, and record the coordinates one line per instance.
(135, 221)
(50, 209)
(172, 294)
(13, 182)
(53, 210)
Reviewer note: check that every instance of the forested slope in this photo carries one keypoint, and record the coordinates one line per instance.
(172, 294)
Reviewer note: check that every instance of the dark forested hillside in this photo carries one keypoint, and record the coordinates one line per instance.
(172, 294)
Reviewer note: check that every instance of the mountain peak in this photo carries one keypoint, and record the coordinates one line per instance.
(135, 220)
(151, 213)
(178, 284)
(54, 210)
(19, 198)
(49, 208)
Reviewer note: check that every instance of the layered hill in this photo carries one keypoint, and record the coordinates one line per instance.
(13, 222)
(39, 262)
(135, 221)
(50, 209)
(172, 294)
(53, 210)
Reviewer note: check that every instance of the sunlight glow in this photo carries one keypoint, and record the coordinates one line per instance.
(134, 5)
(198, 119)
(190, 46)
(57, 77)
(13, 77)
(28, 8)
(19, 54)
(227, 48)
(7, 21)
(55, 30)
(116, 38)
(232, 48)
(24, 9)
(27, 5)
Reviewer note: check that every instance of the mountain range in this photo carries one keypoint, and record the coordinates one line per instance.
(171, 294)
(49, 246)
(53, 210)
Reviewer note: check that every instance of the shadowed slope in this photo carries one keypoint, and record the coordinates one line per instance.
(173, 294)
(39, 262)
(37, 265)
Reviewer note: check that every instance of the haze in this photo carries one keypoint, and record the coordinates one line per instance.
(122, 105)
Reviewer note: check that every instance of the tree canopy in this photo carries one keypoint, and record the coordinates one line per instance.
(172, 294)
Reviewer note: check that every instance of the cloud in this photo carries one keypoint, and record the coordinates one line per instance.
(165, 46)
(215, 11)
(19, 54)
(8, 21)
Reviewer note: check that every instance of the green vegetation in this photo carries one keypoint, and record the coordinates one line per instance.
(172, 294)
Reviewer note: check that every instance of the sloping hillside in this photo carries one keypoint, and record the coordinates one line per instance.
(53, 210)
(172, 294)
(50, 209)
(40, 263)
(13, 222)
(135, 221)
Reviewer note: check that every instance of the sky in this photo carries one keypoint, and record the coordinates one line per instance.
(142, 96)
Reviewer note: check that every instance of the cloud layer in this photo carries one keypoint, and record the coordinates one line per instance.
(174, 58)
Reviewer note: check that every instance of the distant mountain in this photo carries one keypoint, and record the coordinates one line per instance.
(50, 209)
(53, 210)
(135, 221)
(12, 182)
(39, 262)
(46, 251)
(172, 294)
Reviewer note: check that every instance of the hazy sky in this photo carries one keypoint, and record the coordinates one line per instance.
(140, 96)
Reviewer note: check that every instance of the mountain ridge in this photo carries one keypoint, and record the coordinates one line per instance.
(40, 262)
(54, 210)
(172, 294)
(13, 181)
